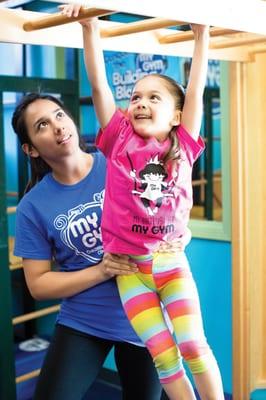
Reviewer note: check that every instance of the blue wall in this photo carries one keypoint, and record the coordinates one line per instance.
(258, 395)
(211, 266)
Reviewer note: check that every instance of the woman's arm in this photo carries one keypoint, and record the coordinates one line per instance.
(102, 96)
(43, 283)
(193, 107)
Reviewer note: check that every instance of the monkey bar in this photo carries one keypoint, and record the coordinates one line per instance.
(59, 19)
(178, 37)
(238, 28)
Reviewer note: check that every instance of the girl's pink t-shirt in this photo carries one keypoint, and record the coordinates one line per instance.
(145, 201)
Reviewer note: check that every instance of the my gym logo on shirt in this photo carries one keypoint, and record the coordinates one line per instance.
(80, 228)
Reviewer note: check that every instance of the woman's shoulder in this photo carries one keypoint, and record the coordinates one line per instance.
(99, 161)
(39, 190)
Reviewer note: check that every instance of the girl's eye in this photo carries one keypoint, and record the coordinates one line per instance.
(155, 97)
(135, 97)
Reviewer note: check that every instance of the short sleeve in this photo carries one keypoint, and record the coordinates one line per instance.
(106, 137)
(30, 240)
(193, 148)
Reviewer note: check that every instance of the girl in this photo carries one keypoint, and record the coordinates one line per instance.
(150, 152)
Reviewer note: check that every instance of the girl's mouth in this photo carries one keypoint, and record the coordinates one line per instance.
(142, 116)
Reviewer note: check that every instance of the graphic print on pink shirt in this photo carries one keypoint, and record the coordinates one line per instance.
(150, 184)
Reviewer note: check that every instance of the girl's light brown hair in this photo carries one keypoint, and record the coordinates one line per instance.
(178, 93)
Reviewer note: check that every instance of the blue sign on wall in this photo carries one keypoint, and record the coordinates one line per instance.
(124, 69)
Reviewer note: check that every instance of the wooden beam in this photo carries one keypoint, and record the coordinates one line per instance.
(257, 50)
(60, 19)
(11, 209)
(240, 229)
(29, 375)
(247, 99)
(243, 41)
(12, 267)
(139, 26)
(35, 314)
(178, 37)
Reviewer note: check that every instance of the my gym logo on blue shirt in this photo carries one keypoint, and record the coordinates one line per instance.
(80, 228)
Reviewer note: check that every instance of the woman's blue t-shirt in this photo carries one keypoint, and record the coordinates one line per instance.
(62, 222)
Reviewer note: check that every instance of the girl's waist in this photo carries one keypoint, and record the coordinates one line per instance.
(161, 261)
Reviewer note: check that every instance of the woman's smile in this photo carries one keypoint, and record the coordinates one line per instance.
(64, 140)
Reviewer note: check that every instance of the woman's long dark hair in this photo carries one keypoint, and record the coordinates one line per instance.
(38, 166)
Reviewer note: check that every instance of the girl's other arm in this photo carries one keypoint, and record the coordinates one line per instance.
(102, 96)
(193, 106)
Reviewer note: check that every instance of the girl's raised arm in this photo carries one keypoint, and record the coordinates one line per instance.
(193, 106)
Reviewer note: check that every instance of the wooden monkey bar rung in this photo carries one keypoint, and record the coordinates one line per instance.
(139, 26)
(11, 210)
(35, 314)
(12, 194)
(59, 19)
(258, 50)
(29, 375)
(186, 36)
(14, 266)
(243, 41)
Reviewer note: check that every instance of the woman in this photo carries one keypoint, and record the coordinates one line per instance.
(58, 222)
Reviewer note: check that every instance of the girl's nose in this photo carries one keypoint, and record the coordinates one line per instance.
(142, 105)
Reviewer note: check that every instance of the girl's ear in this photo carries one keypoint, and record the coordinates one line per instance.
(177, 118)
(30, 150)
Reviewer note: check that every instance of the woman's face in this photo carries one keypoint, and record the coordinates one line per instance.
(52, 132)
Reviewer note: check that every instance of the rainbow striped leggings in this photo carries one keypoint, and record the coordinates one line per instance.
(165, 278)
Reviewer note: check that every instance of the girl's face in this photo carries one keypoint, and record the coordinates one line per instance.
(52, 132)
(152, 109)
